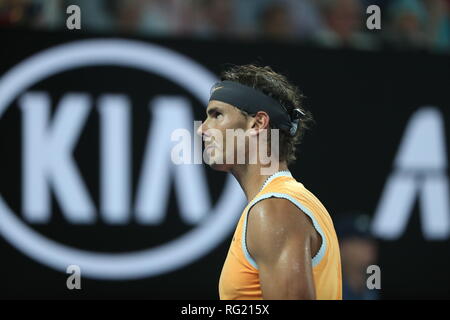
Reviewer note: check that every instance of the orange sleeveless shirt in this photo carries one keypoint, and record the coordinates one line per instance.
(239, 279)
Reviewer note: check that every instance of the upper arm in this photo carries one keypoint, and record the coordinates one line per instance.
(279, 238)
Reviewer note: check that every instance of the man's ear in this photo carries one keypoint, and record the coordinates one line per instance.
(260, 122)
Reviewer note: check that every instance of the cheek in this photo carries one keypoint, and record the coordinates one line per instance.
(220, 125)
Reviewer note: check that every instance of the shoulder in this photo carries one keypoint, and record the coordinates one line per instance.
(278, 212)
(275, 223)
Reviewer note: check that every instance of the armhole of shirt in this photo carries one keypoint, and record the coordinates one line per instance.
(320, 253)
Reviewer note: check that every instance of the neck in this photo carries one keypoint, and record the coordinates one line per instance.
(250, 178)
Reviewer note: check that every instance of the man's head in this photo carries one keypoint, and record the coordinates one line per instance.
(274, 103)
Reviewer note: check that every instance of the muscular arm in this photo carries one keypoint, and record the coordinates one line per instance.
(282, 241)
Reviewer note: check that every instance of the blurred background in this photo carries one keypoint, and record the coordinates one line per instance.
(407, 24)
(86, 116)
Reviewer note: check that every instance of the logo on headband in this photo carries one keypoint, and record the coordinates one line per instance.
(216, 88)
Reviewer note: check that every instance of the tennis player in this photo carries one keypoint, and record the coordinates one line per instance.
(284, 245)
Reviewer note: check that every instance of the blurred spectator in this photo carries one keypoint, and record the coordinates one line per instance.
(438, 26)
(19, 12)
(276, 22)
(158, 17)
(416, 24)
(287, 19)
(406, 18)
(97, 15)
(216, 18)
(145, 16)
(128, 14)
(411, 24)
(343, 23)
(307, 17)
(248, 15)
(358, 251)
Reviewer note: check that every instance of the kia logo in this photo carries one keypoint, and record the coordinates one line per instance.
(48, 162)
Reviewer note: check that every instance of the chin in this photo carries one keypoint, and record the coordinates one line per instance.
(212, 160)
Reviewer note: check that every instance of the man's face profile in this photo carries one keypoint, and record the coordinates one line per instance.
(220, 117)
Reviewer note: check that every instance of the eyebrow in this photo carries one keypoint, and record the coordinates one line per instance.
(211, 110)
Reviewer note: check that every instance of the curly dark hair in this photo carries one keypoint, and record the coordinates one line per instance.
(275, 85)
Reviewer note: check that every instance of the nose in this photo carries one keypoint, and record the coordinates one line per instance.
(201, 131)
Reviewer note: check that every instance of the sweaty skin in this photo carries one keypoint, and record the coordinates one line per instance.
(282, 240)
